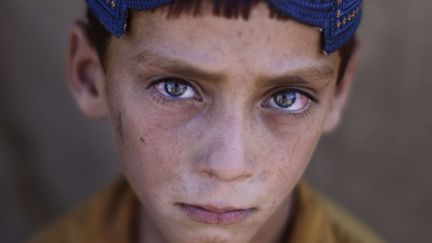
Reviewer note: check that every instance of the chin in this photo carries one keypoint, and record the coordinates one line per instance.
(219, 235)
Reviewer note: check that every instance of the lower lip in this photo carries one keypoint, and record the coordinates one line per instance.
(205, 216)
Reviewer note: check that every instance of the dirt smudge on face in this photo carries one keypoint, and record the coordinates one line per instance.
(120, 125)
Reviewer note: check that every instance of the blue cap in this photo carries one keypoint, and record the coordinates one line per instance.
(338, 19)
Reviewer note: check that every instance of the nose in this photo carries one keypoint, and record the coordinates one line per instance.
(225, 154)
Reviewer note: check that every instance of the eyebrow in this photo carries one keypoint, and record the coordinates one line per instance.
(176, 66)
(183, 68)
(303, 75)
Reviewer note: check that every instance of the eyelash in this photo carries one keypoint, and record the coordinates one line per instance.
(162, 99)
(312, 101)
(300, 115)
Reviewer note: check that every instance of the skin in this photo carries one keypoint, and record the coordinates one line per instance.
(229, 145)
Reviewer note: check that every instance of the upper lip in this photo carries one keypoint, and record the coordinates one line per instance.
(215, 209)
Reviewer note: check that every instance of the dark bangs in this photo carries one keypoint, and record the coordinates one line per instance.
(225, 8)
(99, 36)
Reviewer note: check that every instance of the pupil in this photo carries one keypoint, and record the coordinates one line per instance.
(175, 89)
(285, 100)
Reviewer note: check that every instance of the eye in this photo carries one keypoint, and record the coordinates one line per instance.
(176, 88)
(291, 101)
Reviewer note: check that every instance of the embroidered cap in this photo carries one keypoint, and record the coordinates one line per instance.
(338, 19)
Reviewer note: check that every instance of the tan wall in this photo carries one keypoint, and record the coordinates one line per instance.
(377, 164)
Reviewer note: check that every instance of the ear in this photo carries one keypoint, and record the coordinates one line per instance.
(342, 91)
(85, 74)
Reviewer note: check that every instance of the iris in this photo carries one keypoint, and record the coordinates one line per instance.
(286, 99)
(175, 89)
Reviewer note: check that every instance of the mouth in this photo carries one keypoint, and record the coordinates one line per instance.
(209, 214)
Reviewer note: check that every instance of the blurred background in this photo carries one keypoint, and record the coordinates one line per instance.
(378, 164)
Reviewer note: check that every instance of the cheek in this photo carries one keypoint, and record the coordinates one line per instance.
(290, 146)
(280, 175)
(154, 150)
(288, 160)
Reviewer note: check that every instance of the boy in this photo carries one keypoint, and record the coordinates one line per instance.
(216, 107)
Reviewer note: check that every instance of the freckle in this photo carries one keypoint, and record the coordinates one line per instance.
(264, 176)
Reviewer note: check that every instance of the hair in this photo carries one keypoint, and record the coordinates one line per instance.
(99, 36)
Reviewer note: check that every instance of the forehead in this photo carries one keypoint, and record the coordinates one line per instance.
(259, 44)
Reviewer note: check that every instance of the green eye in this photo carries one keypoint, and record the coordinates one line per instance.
(175, 88)
(285, 100)
(290, 101)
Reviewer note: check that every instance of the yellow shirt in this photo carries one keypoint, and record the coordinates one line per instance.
(108, 217)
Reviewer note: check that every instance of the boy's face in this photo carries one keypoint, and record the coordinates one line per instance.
(216, 119)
